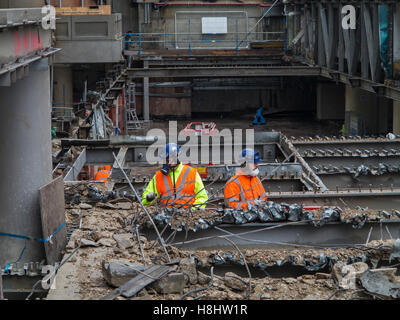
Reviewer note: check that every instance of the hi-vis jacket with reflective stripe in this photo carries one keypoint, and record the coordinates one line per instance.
(102, 175)
(181, 187)
(241, 190)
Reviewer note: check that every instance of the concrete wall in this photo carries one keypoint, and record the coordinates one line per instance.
(129, 13)
(63, 86)
(368, 110)
(89, 39)
(22, 3)
(167, 106)
(25, 160)
(330, 101)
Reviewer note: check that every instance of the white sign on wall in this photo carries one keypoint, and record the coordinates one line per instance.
(214, 25)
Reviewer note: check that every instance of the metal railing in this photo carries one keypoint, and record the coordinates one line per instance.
(190, 41)
(60, 111)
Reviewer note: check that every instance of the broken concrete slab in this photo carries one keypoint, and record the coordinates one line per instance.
(188, 267)
(123, 205)
(85, 206)
(105, 205)
(235, 282)
(171, 283)
(203, 278)
(133, 286)
(107, 242)
(87, 243)
(342, 272)
(116, 273)
(378, 283)
(75, 212)
(124, 240)
(390, 273)
(395, 250)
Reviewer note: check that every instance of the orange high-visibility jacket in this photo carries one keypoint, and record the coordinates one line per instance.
(241, 190)
(184, 188)
(103, 174)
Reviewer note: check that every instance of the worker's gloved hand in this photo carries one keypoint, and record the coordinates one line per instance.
(150, 196)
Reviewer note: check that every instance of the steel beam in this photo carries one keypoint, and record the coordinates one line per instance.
(331, 234)
(237, 71)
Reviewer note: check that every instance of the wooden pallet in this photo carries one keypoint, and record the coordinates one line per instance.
(93, 10)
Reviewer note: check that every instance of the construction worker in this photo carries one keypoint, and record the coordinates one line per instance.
(103, 174)
(245, 187)
(175, 184)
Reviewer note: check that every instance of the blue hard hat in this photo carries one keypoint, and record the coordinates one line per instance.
(249, 155)
(170, 150)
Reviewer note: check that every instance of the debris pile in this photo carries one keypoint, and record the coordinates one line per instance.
(183, 219)
(111, 261)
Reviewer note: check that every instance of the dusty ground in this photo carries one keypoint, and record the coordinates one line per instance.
(82, 278)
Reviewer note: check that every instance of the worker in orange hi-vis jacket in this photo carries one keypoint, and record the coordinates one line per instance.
(245, 187)
(175, 185)
(103, 174)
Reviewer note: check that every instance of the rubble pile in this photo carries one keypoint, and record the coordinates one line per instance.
(181, 219)
(108, 254)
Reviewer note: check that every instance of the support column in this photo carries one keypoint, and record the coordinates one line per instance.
(382, 115)
(361, 108)
(25, 161)
(330, 101)
(146, 98)
(396, 117)
(63, 87)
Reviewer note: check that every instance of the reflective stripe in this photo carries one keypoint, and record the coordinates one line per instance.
(168, 191)
(242, 197)
(183, 180)
(179, 195)
(264, 195)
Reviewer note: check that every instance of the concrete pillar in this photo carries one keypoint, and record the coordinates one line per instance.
(146, 97)
(382, 115)
(63, 86)
(396, 117)
(25, 161)
(366, 113)
(330, 101)
(360, 111)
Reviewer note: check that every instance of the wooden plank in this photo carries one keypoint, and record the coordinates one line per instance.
(52, 210)
(93, 10)
(132, 287)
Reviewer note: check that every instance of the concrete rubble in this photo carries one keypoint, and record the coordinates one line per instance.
(110, 255)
